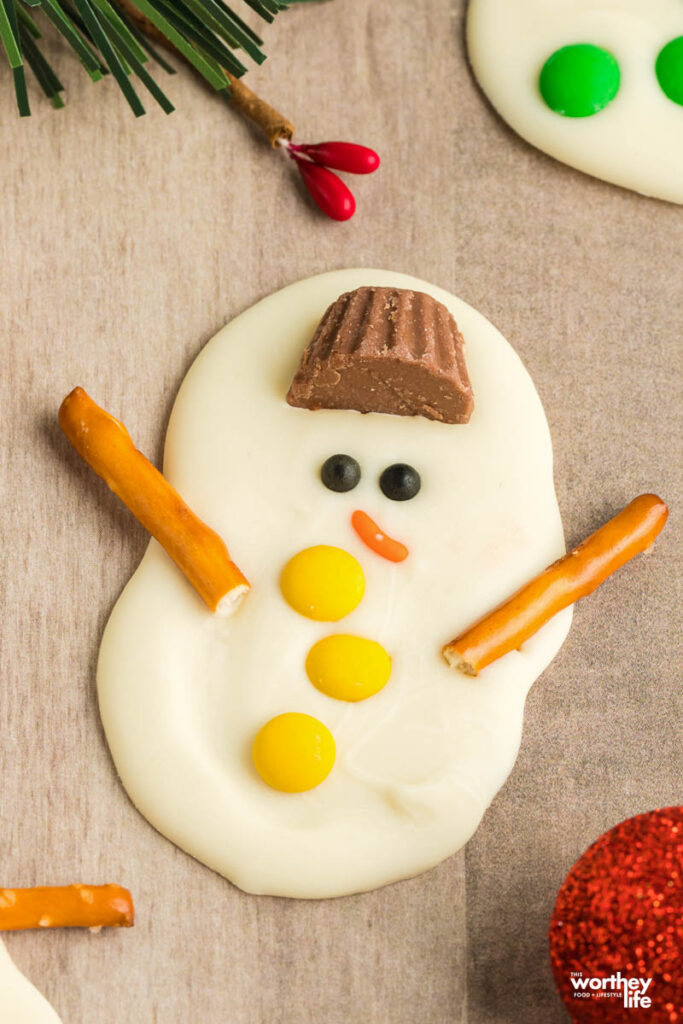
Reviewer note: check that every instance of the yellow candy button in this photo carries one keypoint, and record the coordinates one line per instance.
(323, 583)
(294, 752)
(348, 667)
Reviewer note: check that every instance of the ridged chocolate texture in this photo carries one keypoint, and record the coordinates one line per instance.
(388, 350)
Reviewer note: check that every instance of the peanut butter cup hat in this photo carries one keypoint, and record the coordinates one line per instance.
(388, 350)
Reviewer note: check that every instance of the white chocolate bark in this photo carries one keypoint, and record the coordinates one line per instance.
(20, 1002)
(182, 692)
(637, 140)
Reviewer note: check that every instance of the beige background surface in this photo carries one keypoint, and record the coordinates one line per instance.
(124, 245)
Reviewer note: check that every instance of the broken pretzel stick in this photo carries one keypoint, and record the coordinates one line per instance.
(574, 576)
(66, 906)
(195, 548)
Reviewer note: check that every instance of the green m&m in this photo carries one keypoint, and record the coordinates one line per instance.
(669, 70)
(579, 80)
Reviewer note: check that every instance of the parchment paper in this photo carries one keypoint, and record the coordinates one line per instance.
(124, 245)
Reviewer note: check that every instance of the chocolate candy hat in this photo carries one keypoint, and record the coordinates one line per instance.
(388, 350)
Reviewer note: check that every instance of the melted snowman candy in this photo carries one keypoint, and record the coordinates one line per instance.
(598, 84)
(20, 1002)
(183, 694)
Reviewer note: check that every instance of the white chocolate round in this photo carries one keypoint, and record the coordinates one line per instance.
(637, 140)
(20, 1002)
(182, 692)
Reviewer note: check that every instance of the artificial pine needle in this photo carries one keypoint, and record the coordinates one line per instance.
(12, 42)
(8, 35)
(20, 92)
(27, 21)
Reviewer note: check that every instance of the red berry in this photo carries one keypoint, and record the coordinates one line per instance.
(327, 190)
(343, 156)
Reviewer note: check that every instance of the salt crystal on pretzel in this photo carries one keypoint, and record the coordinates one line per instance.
(575, 575)
(196, 549)
(66, 906)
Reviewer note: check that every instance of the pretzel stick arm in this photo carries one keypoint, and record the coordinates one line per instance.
(574, 576)
(197, 550)
(66, 906)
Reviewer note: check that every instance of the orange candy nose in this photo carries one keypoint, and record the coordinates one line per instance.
(370, 533)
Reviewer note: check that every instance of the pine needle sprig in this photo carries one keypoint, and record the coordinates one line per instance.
(108, 41)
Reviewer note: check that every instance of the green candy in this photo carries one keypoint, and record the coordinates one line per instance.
(669, 70)
(579, 80)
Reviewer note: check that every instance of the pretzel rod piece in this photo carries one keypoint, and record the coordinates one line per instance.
(66, 906)
(196, 549)
(575, 575)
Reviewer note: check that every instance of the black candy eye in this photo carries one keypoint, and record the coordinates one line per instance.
(400, 482)
(340, 473)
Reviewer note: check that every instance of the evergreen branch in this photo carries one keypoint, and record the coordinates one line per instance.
(113, 36)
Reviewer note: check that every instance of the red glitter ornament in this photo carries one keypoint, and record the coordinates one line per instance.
(616, 933)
